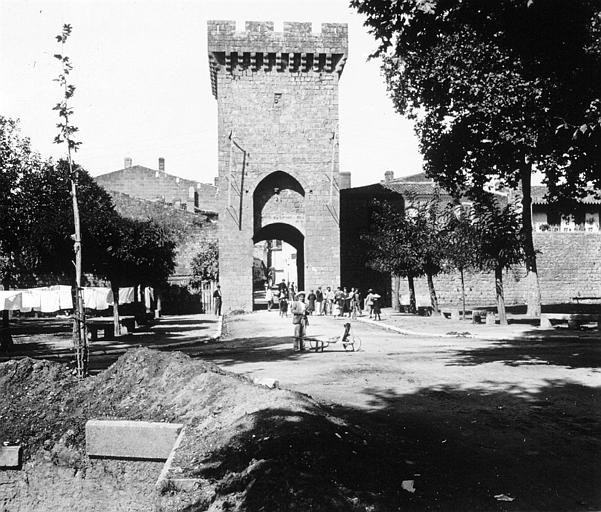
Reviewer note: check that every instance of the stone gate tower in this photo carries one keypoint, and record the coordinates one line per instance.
(277, 95)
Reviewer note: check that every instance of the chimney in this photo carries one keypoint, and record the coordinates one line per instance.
(388, 176)
(344, 180)
(127, 162)
(162, 164)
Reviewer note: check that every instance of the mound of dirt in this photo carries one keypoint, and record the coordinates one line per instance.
(246, 447)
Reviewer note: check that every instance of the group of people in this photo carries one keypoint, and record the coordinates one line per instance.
(339, 302)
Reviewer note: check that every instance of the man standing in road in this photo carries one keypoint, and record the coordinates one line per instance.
(299, 320)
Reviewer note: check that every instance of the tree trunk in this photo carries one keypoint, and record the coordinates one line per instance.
(500, 295)
(79, 328)
(6, 339)
(396, 285)
(533, 285)
(433, 298)
(116, 324)
(412, 302)
(462, 293)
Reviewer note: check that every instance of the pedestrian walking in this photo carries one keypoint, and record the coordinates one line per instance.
(269, 297)
(217, 300)
(376, 306)
(283, 305)
(319, 301)
(283, 289)
(329, 301)
(369, 302)
(311, 298)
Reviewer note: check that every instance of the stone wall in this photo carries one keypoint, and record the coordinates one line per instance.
(569, 266)
(277, 99)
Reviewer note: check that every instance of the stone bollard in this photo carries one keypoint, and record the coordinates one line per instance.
(491, 318)
(455, 314)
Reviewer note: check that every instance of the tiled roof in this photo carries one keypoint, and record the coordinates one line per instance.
(540, 191)
(418, 189)
(414, 177)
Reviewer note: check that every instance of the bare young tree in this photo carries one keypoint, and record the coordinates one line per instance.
(65, 135)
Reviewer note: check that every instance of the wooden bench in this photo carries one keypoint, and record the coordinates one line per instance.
(107, 326)
(574, 320)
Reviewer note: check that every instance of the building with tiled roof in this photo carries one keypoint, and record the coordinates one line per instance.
(581, 215)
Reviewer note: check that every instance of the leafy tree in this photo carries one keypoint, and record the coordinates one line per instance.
(17, 160)
(145, 254)
(500, 243)
(48, 214)
(205, 265)
(406, 245)
(497, 90)
(461, 244)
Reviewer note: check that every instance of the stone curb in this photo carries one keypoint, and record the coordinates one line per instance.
(117, 351)
(533, 337)
(163, 479)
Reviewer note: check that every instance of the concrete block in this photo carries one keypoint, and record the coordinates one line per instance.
(491, 318)
(455, 314)
(131, 439)
(10, 456)
(267, 382)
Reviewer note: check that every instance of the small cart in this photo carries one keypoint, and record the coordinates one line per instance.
(350, 342)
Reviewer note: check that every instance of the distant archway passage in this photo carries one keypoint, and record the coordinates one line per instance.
(279, 198)
(290, 235)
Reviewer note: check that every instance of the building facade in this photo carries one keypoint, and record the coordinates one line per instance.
(156, 185)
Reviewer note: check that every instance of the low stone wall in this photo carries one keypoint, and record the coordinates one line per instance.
(569, 266)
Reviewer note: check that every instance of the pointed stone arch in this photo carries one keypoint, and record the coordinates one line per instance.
(279, 198)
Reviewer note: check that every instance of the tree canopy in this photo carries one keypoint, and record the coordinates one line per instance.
(496, 86)
(36, 244)
(498, 90)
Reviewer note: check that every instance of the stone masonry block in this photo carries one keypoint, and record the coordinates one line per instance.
(10, 456)
(130, 439)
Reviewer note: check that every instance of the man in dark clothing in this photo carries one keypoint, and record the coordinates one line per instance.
(217, 300)
(319, 301)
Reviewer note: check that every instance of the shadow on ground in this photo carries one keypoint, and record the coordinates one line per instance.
(460, 447)
(552, 350)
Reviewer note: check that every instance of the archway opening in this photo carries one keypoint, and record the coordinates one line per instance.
(279, 254)
(279, 198)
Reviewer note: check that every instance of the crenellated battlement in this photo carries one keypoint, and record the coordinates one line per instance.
(259, 36)
(259, 48)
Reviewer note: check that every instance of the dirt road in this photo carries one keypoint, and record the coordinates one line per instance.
(478, 418)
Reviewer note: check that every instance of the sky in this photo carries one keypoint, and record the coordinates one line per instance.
(143, 87)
